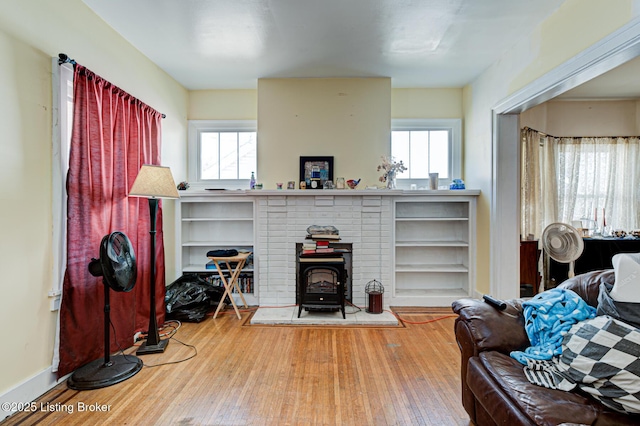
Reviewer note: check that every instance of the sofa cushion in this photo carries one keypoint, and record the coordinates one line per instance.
(627, 272)
(499, 383)
(587, 285)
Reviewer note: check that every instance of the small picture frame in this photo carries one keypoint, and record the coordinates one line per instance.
(340, 183)
(291, 184)
(315, 171)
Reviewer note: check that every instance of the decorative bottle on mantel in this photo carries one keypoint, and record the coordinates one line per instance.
(252, 182)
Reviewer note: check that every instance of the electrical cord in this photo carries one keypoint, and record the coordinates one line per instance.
(195, 353)
(120, 350)
(421, 322)
(174, 326)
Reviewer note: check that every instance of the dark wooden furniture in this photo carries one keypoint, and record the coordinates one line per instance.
(529, 272)
(596, 255)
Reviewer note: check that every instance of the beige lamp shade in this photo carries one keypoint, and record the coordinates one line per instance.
(154, 182)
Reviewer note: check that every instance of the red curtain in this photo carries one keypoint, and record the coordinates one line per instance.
(113, 135)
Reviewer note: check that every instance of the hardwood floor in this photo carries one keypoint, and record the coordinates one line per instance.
(280, 375)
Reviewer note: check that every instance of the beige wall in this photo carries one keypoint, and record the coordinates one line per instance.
(223, 104)
(426, 103)
(555, 41)
(243, 104)
(31, 32)
(347, 118)
(583, 118)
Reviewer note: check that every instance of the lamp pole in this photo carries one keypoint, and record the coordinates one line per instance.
(153, 344)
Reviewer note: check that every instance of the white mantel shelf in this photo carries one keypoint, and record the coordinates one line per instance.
(420, 244)
(327, 192)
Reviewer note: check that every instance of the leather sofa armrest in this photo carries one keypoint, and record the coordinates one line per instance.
(480, 327)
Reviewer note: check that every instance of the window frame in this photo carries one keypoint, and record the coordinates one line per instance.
(195, 129)
(62, 101)
(453, 125)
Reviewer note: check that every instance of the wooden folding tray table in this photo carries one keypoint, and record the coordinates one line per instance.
(232, 282)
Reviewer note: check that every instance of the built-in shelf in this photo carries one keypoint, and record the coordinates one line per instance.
(434, 249)
(211, 223)
(419, 244)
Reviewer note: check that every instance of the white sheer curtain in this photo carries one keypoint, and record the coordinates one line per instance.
(567, 179)
(539, 199)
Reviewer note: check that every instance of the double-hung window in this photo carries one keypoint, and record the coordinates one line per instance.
(222, 153)
(427, 146)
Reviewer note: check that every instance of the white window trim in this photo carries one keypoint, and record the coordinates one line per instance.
(454, 125)
(196, 127)
(61, 75)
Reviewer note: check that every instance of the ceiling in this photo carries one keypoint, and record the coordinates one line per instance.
(206, 44)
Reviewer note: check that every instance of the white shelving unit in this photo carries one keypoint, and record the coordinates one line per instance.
(434, 250)
(420, 244)
(213, 223)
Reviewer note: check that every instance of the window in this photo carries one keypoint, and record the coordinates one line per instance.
(593, 180)
(222, 154)
(427, 146)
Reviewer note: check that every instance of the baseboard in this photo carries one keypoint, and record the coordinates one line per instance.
(27, 391)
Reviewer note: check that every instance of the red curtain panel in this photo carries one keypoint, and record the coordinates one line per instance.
(113, 135)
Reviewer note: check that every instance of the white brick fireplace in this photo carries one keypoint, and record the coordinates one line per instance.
(364, 220)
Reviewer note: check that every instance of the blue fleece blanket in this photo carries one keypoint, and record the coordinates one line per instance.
(548, 317)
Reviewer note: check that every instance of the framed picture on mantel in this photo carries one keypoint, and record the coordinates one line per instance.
(315, 171)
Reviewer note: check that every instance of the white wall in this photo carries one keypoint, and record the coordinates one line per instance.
(31, 32)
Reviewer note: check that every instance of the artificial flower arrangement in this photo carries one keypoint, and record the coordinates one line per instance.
(390, 168)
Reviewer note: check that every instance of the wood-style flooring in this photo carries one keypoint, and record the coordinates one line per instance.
(280, 375)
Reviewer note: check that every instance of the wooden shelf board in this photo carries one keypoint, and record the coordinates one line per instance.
(217, 219)
(432, 244)
(217, 243)
(431, 219)
(437, 292)
(432, 268)
(202, 269)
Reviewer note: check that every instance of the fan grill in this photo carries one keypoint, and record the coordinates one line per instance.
(563, 244)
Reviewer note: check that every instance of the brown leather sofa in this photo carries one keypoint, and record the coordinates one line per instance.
(495, 390)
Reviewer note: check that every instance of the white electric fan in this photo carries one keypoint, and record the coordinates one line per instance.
(563, 243)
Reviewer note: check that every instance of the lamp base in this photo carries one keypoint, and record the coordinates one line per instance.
(98, 374)
(145, 348)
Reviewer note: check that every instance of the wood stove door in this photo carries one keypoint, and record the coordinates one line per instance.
(321, 285)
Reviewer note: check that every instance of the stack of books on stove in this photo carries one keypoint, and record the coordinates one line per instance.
(317, 246)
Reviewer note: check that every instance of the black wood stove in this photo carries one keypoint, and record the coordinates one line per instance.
(321, 284)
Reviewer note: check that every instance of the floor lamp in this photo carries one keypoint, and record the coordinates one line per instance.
(153, 182)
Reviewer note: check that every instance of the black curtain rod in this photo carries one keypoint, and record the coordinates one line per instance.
(63, 58)
(578, 137)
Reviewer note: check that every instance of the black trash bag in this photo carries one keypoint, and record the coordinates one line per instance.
(190, 298)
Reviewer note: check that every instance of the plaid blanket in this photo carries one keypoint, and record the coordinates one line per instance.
(600, 356)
